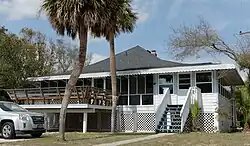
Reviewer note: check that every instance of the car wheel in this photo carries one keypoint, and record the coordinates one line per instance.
(36, 135)
(8, 131)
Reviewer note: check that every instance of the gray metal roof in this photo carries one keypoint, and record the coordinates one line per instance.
(132, 59)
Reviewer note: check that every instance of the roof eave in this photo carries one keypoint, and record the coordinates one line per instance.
(143, 71)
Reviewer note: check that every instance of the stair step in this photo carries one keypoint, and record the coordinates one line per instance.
(174, 105)
(172, 123)
(169, 126)
(171, 113)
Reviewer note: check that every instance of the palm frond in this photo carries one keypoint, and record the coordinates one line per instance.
(68, 16)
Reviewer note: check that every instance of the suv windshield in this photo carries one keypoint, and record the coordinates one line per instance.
(6, 106)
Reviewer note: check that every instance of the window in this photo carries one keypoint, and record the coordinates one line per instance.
(98, 83)
(132, 84)
(141, 84)
(108, 83)
(123, 100)
(165, 81)
(124, 85)
(204, 82)
(118, 84)
(184, 81)
(149, 84)
(147, 99)
(87, 82)
(134, 100)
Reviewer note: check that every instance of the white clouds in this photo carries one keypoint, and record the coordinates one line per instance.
(19, 9)
(144, 8)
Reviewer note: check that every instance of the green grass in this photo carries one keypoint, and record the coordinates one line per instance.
(199, 139)
(75, 139)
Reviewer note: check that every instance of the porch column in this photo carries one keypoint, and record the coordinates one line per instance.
(104, 83)
(85, 122)
(92, 82)
(46, 119)
(234, 113)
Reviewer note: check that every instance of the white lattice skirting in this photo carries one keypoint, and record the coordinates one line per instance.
(135, 122)
(206, 122)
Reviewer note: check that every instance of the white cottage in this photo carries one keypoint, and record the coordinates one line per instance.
(155, 95)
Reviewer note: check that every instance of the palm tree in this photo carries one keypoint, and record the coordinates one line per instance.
(74, 17)
(243, 103)
(122, 20)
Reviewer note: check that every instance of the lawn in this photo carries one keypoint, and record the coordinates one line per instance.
(75, 139)
(199, 139)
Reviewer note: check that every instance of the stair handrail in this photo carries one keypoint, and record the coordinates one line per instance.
(186, 108)
(162, 107)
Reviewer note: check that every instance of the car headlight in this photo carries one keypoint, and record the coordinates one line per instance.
(24, 117)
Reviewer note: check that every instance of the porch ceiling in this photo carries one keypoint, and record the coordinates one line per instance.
(231, 77)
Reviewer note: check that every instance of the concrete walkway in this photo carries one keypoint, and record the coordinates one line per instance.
(135, 139)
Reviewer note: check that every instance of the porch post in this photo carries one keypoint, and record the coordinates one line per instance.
(46, 118)
(85, 122)
(104, 83)
(92, 82)
(234, 116)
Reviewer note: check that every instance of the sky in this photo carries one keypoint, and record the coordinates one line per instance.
(156, 17)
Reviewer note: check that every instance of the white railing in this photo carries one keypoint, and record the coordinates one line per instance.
(166, 100)
(186, 108)
(197, 96)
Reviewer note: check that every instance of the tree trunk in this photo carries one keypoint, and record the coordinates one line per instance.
(113, 80)
(83, 34)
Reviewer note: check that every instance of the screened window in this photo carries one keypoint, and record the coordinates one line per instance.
(141, 84)
(98, 83)
(118, 84)
(124, 85)
(204, 82)
(184, 81)
(147, 99)
(134, 100)
(87, 82)
(108, 83)
(165, 81)
(123, 100)
(149, 84)
(132, 84)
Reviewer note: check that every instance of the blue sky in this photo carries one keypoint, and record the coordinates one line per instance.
(156, 17)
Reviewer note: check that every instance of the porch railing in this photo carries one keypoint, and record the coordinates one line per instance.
(166, 100)
(54, 95)
(224, 92)
(186, 108)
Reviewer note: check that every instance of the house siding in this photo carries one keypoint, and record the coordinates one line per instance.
(132, 117)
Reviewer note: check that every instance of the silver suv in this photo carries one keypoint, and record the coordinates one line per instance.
(16, 120)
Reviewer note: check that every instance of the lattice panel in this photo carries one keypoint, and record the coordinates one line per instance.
(55, 102)
(73, 101)
(126, 122)
(206, 121)
(188, 124)
(146, 122)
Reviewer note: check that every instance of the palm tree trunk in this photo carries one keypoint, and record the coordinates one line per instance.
(83, 36)
(113, 79)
